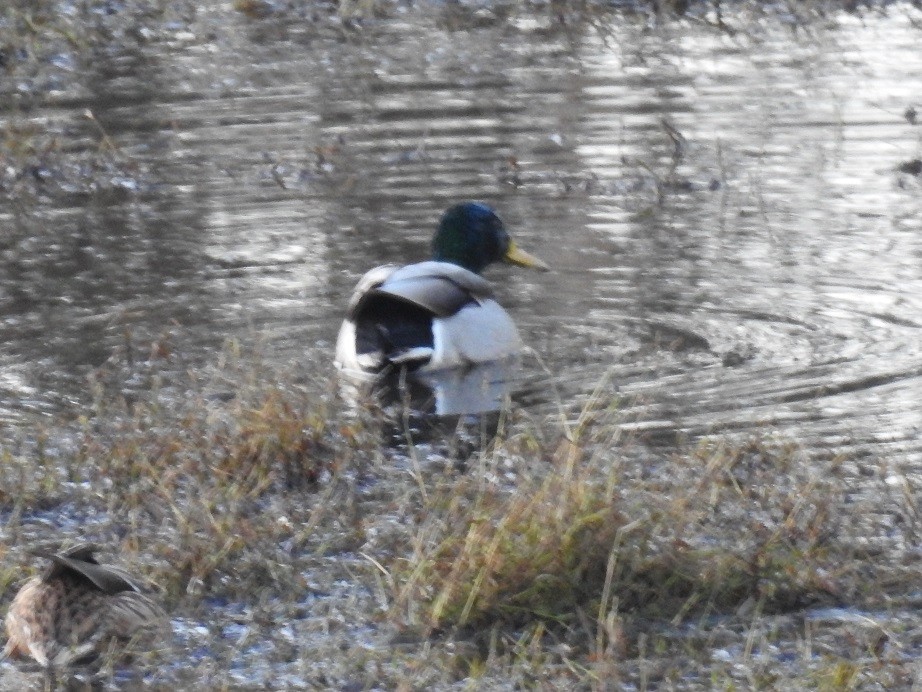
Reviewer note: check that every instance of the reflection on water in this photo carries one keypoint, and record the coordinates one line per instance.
(476, 389)
(733, 240)
(455, 411)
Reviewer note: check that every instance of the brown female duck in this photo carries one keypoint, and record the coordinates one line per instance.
(76, 610)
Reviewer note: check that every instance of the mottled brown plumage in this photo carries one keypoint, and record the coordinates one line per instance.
(76, 610)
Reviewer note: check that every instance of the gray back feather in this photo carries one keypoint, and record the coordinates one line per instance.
(441, 288)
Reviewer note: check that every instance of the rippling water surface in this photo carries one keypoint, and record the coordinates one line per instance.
(732, 237)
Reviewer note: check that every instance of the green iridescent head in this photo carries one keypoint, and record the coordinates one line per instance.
(472, 236)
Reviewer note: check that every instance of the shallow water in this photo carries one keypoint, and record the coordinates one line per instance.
(735, 247)
(730, 234)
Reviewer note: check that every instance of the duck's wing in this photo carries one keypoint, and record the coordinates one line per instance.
(441, 288)
(131, 613)
(392, 313)
(109, 580)
(372, 279)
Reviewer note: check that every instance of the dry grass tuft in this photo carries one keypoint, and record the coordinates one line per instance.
(582, 541)
(540, 551)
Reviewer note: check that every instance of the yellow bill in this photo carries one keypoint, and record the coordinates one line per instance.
(517, 256)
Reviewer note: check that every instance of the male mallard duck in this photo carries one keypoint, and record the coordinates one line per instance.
(440, 313)
(72, 612)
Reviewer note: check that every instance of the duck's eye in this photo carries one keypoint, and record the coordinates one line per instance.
(499, 232)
